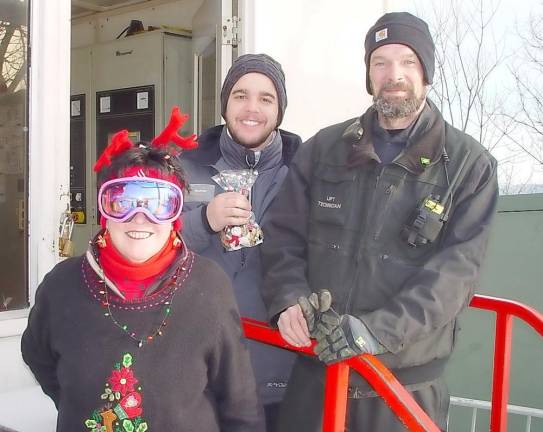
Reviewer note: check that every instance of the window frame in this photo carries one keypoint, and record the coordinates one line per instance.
(48, 144)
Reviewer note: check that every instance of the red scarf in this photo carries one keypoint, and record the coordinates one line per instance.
(132, 279)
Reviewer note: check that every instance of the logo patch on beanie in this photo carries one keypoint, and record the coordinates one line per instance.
(381, 35)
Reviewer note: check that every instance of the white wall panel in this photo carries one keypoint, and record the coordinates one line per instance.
(321, 47)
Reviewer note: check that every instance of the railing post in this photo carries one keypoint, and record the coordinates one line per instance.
(335, 397)
(502, 365)
(396, 396)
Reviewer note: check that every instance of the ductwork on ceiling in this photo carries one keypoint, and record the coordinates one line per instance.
(81, 8)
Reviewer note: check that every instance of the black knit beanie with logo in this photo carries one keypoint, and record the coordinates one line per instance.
(260, 63)
(405, 29)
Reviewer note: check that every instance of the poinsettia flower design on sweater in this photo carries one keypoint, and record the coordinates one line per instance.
(122, 381)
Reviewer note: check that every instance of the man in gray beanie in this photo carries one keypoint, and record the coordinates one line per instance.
(253, 102)
(376, 239)
(256, 63)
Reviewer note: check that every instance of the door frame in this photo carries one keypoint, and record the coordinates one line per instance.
(207, 30)
(48, 144)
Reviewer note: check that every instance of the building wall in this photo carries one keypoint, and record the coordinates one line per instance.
(14, 374)
(321, 49)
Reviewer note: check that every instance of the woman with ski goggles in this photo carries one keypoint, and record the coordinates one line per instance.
(140, 333)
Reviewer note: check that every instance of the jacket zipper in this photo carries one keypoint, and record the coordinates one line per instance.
(363, 238)
(388, 192)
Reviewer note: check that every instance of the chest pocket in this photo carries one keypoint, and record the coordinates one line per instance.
(332, 194)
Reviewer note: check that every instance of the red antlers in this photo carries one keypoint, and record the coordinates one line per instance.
(169, 134)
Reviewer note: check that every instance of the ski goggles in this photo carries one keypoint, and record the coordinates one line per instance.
(121, 198)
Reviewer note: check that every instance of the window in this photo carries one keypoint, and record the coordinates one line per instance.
(13, 154)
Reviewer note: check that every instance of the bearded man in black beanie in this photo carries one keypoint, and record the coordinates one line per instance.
(253, 101)
(376, 238)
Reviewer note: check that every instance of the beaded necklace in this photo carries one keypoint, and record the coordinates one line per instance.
(141, 340)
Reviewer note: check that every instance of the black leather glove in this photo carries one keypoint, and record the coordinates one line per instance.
(313, 307)
(338, 336)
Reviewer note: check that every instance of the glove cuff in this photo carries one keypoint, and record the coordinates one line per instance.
(362, 338)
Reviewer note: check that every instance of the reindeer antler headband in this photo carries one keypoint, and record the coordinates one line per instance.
(120, 141)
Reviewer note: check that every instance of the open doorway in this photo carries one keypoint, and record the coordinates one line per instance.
(133, 60)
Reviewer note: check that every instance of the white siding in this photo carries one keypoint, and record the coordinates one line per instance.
(321, 47)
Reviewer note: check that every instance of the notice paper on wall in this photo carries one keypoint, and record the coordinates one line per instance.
(76, 108)
(143, 100)
(105, 104)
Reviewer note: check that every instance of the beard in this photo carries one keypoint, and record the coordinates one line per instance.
(397, 107)
(249, 142)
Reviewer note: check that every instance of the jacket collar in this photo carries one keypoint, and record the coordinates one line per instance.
(237, 156)
(208, 151)
(425, 145)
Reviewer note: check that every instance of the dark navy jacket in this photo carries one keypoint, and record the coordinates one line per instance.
(272, 365)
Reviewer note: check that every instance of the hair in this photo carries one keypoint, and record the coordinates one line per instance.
(142, 154)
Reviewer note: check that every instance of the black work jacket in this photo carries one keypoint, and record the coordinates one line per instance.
(339, 228)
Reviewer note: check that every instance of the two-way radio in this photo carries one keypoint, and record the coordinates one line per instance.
(426, 222)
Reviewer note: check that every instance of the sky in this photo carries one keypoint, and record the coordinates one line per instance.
(517, 170)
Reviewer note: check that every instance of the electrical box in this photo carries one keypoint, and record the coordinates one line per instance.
(78, 158)
(130, 83)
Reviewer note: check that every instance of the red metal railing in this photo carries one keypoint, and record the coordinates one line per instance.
(505, 311)
(389, 388)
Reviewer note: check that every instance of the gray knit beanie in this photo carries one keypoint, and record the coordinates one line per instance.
(406, 29)
(260, 63)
